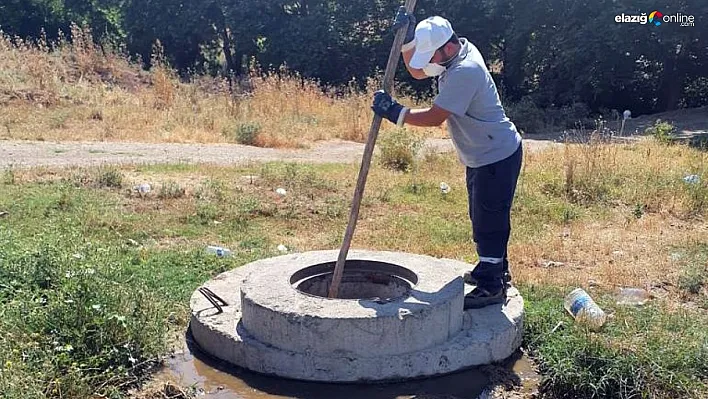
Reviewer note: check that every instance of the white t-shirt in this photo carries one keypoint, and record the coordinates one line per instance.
(478, 125)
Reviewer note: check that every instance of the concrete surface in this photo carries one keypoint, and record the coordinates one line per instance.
(276, 314)
(270, 327)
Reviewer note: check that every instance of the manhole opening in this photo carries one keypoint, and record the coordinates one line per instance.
(362, 279)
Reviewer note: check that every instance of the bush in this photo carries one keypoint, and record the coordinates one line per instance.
(662, 132)
(568, 116)
(109, 177)
(526, 115)
(171, 189)
(247, 133)
(399, 149)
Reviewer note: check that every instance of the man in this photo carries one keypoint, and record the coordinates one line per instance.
(486, 141)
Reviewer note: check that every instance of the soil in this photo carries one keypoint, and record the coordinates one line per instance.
(691, 124)
(24, 154)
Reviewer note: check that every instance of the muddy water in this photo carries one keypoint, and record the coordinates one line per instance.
(221, 381)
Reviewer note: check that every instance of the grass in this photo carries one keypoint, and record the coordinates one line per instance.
(95, 277)
(76, 91)
(648, 352)
(693, 262)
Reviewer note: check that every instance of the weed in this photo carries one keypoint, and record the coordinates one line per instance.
(638, 211)
(662, 131)
(399, 149)
(247, 133)
(693, 279)
(9, 176)
(109, 176)
(171, 190)
(59, 119)
(211, 190)
(206, 213)
(694, 275)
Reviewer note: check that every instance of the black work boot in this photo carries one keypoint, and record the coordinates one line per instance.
(483, 271)
(490, 287)
(506, 275)
(481, 297)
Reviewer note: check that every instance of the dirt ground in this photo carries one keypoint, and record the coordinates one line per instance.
(24, 154)
(689, 123)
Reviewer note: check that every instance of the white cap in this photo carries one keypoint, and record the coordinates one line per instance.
(430, 34)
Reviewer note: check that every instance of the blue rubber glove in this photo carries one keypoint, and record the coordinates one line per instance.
(401, 18)
(386, 107)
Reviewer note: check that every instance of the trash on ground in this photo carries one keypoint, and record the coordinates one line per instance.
(281, 191)
(143, 188)
(218, 251)
(692, 179)
(550, 263)
(633, 297)
(444, 188)
(282, 248)
(584, 309)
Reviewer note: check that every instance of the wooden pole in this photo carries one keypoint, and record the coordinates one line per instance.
(391, 66)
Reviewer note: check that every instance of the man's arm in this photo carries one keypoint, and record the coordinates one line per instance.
(433, 116)
(402, 18)
(386, 107)
(415, 73)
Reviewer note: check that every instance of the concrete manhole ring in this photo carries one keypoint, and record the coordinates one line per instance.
(402, 318)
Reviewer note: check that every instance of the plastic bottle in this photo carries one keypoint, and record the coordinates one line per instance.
(633, 296)
(692, 179)
(218, 251)
(579, 304)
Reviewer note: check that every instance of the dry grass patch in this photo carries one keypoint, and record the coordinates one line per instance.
(77, 92)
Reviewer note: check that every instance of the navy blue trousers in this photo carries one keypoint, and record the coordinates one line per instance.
(491, 190)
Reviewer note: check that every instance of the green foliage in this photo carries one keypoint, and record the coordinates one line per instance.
(247, 133)
(559, 59)
(662, 131)
(399, 149)
(527, 116)
(641, 351)
(109, 176)
(74, 318)
(171, 190)
(8, 176)
(694, 274)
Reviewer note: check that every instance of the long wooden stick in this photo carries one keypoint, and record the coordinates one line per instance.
(391, 66)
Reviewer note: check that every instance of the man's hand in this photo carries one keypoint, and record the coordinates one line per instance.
(386, 107)
(402, 16)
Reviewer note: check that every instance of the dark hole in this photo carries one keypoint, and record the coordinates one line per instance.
(362, 279)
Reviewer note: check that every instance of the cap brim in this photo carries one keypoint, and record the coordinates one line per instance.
(421, 58)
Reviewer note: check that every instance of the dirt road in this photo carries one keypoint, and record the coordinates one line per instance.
(24, 154)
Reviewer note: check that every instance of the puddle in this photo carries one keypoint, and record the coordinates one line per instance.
(219, 380)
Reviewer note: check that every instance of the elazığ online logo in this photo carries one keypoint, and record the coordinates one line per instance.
(656, 18)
